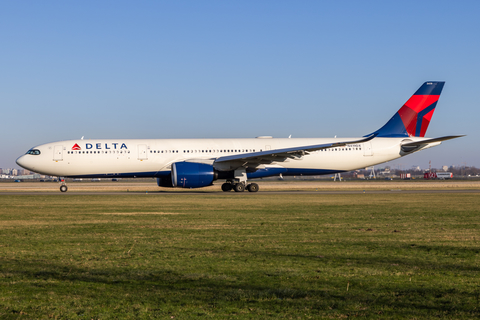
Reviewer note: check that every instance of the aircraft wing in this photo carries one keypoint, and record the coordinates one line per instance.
(279, 155)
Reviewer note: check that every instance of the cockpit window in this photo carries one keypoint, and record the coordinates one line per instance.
(35, 152)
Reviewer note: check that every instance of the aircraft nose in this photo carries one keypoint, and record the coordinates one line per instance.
(22, 162)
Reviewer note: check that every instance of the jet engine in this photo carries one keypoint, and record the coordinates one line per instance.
(192, 174)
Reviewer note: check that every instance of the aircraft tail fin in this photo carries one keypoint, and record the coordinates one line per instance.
(414, 116)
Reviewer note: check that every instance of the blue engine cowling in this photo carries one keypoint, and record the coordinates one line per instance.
(192, 175)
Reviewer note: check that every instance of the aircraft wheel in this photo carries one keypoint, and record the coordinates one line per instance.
(227, 187)
(63, 188)
(239, 187)
(252, 187)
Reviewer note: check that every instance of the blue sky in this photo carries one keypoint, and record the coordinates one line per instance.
(208, 69)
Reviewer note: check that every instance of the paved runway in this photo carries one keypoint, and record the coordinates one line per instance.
(207, 193)
(146, 186)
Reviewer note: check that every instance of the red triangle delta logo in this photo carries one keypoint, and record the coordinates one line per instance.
(76, 147)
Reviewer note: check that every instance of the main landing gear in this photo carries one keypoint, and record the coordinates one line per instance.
(239, 187)
(239, 184)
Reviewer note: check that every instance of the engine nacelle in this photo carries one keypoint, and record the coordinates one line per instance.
(192, 174)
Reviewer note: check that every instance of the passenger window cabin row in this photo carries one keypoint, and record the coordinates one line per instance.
(191, 151)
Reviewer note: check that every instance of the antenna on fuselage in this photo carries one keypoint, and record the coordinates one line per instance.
(82, 138)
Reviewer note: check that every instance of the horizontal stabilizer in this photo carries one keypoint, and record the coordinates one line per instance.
(417, 145)
(428, 141)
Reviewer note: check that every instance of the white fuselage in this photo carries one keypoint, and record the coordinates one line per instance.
(154, 157)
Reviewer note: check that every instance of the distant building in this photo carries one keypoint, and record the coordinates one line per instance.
(384, 171)
(30, 176)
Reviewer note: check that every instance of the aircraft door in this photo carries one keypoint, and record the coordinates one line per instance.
(58, 153)
(367, 149)
(142, 152)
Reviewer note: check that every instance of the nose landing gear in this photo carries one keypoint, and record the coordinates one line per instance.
(63, 187)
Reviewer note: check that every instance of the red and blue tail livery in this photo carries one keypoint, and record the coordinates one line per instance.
(414, 116)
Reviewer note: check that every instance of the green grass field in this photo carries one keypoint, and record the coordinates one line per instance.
(247, 256)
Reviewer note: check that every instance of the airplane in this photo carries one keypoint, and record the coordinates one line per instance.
(196, 163)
